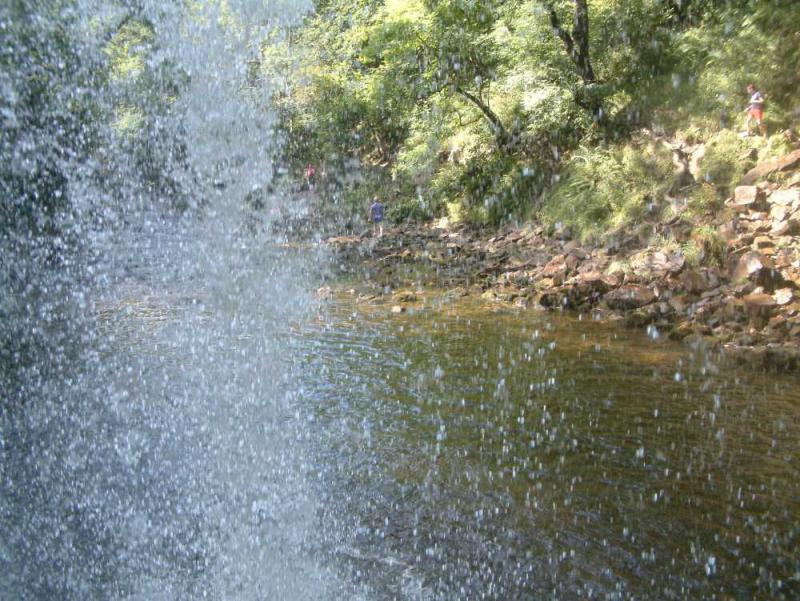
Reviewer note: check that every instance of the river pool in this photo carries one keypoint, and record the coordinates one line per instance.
(469, 453)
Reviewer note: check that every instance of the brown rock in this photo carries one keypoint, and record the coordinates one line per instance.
(734, 309)
(649, 264)
(778, 212)
(556, 269)
(553, 298)
(764, 169)
(729, 229)
(629, 297)
(694, 281)
(784, 198)
(324, 292)
(747, 196)
(784, 257)
(749, 264)
(681, 331)
(571, 261)
(755, 216)
(784, 296)
(777, 322)
(759, 299)
(678, 303)
(579, 253)
(404, 296)
(760, 242)
(456, 293)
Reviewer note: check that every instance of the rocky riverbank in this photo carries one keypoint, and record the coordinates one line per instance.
(740, 291)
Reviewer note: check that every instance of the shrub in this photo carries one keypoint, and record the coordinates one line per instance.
(408, 210)
(702, 200)
(726, 160)
(601, 189)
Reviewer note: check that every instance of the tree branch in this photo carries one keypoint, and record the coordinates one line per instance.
(497, 125)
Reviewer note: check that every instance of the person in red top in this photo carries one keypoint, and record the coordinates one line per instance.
(755, 110)
(310, 174)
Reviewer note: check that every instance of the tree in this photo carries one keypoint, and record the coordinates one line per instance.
(577, 46)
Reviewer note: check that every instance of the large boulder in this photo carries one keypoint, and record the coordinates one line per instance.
(588, 287)
(556, 269)
(650, 264)
(785, 198)
(748, 198)
(762, 170)
(750, 265)
(630, 296)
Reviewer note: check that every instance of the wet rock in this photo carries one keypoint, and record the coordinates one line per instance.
(681, 331)
(629, 297)
(553, 298)
(640, 318)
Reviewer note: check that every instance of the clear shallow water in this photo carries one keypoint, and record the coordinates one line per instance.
(502, 455)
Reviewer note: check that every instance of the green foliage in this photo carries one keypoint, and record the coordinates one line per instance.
(714, 246)
(47, 114)
(408, 210)
(728, 48)
(600, 190)
(478, 102)
(727, 158)
(127, 50)
(703, 199)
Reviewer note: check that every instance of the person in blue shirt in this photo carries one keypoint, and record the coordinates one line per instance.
(376, 217)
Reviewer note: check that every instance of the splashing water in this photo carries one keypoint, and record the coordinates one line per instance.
(147, 439)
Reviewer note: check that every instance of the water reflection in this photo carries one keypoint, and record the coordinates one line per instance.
(470, 454)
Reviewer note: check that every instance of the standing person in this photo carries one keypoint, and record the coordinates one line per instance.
(310, 175)
(376, 217)
(755, 110)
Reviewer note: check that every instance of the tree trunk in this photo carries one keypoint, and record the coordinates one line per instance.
(577, 47)
(501, 133)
